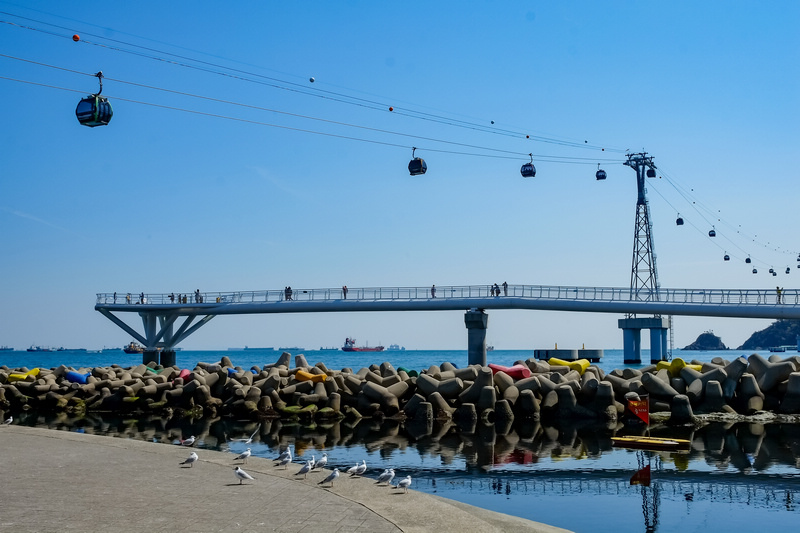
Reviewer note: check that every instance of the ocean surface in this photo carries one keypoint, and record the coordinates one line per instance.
(736, 477)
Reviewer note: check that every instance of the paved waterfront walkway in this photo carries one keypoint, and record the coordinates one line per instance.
(63, 481)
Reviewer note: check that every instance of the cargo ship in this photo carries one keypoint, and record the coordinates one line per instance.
(350, 346)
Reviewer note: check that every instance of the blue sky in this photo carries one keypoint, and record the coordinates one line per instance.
(163, 200)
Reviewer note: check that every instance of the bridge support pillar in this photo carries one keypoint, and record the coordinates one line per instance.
(168, 358)
(150, 357)
(476, 321)
(632, 338)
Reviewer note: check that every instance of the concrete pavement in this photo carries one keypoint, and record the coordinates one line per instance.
(63, 481)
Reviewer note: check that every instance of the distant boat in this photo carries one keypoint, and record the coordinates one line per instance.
(324, 349)
(395, 348)
(291, 349)
(41, 349)
(778, 349)
(490, 348)
(5, 348)
(350, 346)
(133, 347)
(248, 348)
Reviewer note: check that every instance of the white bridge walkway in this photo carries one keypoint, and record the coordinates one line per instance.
(159, 312)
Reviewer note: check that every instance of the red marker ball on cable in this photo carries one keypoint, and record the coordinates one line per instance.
(76, 37)
(391, 108)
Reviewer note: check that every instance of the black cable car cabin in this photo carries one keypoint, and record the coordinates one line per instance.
(712, 233)
(95, 110)
(417, 166)
(679, 220)
(755, 271)
(747, 260)
(727, 257)
(600, 174)
(651, 173)
(528, 170)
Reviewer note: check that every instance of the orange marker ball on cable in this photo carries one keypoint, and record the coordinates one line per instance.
(76, 37)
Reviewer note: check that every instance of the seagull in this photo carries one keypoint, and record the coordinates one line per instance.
(305, 470)
(7, 421)
(322, 462)
(386, 476)
(286, 453)
(241, 475)
(404, 484)
(285, 461)
(189, 441)
(191, 460)
(352, 469)
(331, 478)
(313, 462)
(359, 469)
(250, 439)
(244, 455)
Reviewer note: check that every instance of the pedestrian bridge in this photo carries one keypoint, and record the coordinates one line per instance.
(160, 313)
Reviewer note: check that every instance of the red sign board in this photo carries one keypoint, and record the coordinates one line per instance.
(640, 409)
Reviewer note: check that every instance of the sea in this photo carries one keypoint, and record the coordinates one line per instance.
(736, 476)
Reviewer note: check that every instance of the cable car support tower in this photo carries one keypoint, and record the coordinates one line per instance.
(644, 275)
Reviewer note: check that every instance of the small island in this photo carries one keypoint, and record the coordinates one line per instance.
(707, 341)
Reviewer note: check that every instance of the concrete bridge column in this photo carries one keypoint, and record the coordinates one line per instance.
(150, 357)
(658, 345)
(168, 358)
(631, 346)
(632, 338)
(476, 321)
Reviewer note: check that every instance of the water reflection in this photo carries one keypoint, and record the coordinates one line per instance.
(527, 469)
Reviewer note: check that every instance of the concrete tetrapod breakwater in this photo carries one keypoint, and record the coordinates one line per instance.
(529, 389)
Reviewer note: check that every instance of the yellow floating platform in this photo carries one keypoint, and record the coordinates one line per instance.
(652, 443)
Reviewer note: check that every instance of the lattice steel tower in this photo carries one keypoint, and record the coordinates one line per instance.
(644, 276)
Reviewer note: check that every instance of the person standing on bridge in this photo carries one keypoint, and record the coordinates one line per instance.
(433, 291)
(344, 291)
(115, 297)
(505, 288)
(779, 292)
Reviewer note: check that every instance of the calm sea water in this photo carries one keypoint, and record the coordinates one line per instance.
(737, 477)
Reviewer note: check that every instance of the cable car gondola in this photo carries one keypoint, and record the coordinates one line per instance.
(94, 110)
(727, 257)
(747, 260)
(679, 220)
(772, 271)
(600, 174)
(528, 170)
(755, 271)
(712, 232)
(417, 165)
(651, 173)
(788, 270)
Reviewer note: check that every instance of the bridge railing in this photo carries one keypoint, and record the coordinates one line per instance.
(549, 292)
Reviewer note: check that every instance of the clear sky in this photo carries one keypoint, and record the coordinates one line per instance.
(164, 200)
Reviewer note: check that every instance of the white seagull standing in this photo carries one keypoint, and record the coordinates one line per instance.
(244, 455)
(352, 469)
(313, 462)
(286, 453)
(360, 469)
(386, 477)
(404, 484)
(305, 470)
(285, 461)
(331, 478)
(191, 460)
(7, 421)
(241, 475)
(189, 441)
(322, 462)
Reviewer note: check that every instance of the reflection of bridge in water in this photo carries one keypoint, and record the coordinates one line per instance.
(160, 313)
